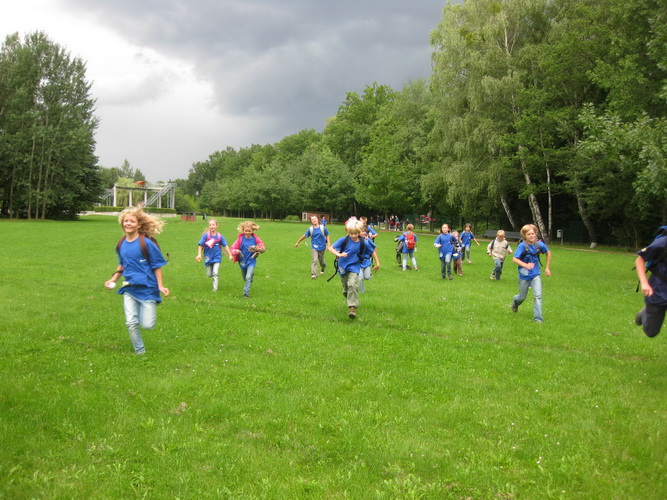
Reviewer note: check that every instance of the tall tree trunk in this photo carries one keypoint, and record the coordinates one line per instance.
(508, 212)
(48, 175)
(532, 199)
(549, 197)
(550, 203)
(583, 213)
(30, 166)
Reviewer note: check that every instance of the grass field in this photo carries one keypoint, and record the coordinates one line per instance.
(437, 390)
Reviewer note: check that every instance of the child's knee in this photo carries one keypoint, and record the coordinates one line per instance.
(148, 323)
(651, 331)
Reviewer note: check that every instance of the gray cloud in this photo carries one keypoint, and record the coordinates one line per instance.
(269, 57)
(283, 65)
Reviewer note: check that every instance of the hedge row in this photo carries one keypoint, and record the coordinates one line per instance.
(152, 210)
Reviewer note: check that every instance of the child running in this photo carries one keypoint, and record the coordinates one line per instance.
(212, 243)
(409, 239)
(498, 250)
(445, 245)
(654, 288)
(140, 262)
(457, 254)
(319, 237)
(369, 255)
(527, 257)
(371, 233)
(349, 250)
(466, 238)
(245, 250)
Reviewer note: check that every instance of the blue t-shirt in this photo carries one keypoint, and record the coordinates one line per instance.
(246, 258)
(447, 244)
(530, 253)
(367, 254)
(212, 253)
(138, 271)
(404, 248)
(659, 297)
(317, 237)
(351, 263)
(466, 238)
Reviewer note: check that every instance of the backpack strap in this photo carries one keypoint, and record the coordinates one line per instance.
(336, 267)
(346, 241)
(142, 245)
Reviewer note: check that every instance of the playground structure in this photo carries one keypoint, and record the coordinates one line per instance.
(149, 195)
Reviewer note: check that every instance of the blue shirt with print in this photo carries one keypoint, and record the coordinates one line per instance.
(351, 263)
(213, 254)
(530, 253)
(317, 237)
(139, 271)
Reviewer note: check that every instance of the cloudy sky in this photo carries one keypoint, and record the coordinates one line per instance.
(176, 80)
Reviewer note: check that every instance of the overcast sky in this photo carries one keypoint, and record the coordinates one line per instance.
(177, 80)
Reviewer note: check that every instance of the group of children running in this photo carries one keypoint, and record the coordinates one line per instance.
(140, 262)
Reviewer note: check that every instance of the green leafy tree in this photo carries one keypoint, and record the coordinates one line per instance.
(478, 79)
(349, 131)
(324, 181)
(389, 178)
(47, 162)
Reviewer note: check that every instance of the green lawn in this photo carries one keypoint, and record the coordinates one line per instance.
(437, 390)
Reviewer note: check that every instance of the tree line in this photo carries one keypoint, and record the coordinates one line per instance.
(548, 111)
(536, 110)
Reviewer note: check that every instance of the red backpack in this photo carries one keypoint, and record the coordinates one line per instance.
(410, 240)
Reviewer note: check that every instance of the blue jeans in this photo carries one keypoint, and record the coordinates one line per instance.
(248, 273)
(366, 273)
(212, 271)
(411, 254)
(138, 313)
(466, 252)
(446, 265)
(497, 268)
(536, 285)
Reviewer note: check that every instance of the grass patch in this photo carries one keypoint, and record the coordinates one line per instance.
(436, 390)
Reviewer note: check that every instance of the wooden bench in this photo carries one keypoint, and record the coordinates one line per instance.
(509, 235)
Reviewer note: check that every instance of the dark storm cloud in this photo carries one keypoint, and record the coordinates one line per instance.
(289, 62)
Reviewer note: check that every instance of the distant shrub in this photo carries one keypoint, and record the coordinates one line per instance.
(151, 210)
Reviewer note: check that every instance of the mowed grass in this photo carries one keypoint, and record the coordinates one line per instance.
(437, 390)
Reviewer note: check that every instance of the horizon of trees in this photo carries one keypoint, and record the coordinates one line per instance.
(544, 111)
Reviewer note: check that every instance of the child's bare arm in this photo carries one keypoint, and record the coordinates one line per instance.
(158, 277)
(336, 252)
(377, 260)
(640, 265)
(547, 268)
